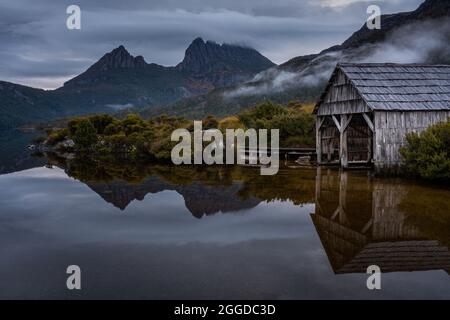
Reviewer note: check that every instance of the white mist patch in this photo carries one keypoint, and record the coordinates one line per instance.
(414, 43)
(269, 81)
(320, 69)
(422, 42)
(120, 106)
(276, 80)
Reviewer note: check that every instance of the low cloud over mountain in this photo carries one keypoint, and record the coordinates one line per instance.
(419, 36)
(39, 51)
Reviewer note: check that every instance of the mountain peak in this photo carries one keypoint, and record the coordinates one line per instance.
(119, 58)
(203, 56)
(120, 50)
(198, 41)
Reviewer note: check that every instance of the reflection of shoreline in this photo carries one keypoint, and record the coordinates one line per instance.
(361, 220)
(360, 224)
(206, 190)
(14, 155)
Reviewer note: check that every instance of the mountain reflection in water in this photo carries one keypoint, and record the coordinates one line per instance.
(304, 233)
(358, 218)
(199, 199)
(206, 190)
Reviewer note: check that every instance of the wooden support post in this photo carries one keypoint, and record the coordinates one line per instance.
(318, 144)
(369, 122)
(336, 122)
(370, 139)
(319, 123)
(343, 150)
(346, 122)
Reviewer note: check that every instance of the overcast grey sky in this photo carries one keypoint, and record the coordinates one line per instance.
(37, 49)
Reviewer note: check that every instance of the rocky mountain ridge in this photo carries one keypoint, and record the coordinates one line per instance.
(120, 80)
(419, 36)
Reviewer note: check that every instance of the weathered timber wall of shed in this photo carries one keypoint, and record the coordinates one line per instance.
(391, 128)
(342, 98)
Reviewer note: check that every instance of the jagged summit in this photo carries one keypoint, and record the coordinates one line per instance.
(208, 63)
(401, 35)
(119, 58)
(203, 56)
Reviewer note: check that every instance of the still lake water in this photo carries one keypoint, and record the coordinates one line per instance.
(162, 232)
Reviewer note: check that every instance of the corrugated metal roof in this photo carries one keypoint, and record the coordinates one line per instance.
(401, 86)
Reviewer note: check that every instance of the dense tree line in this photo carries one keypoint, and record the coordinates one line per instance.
(136, 137)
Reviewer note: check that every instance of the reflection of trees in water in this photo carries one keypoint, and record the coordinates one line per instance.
(363, 221)
(205, 189)
(393, 223)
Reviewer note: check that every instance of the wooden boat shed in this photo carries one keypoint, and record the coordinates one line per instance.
(367, 109)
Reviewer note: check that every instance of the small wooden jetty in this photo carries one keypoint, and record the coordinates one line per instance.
(284, 153)
(303, 157)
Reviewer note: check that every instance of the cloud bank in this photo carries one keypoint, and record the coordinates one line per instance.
(38, 50)
(424, 42)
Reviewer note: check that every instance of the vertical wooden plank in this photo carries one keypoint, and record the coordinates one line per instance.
(370, 148)
(391, 129)
(343, 153)
(319, 122)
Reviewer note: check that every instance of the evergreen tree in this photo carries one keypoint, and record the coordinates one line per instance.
(85, 136)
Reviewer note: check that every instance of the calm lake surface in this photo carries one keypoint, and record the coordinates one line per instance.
(163, 232)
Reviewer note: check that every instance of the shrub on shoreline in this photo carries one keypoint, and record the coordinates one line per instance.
(427, 154)
(135, 137)
(297, 127)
